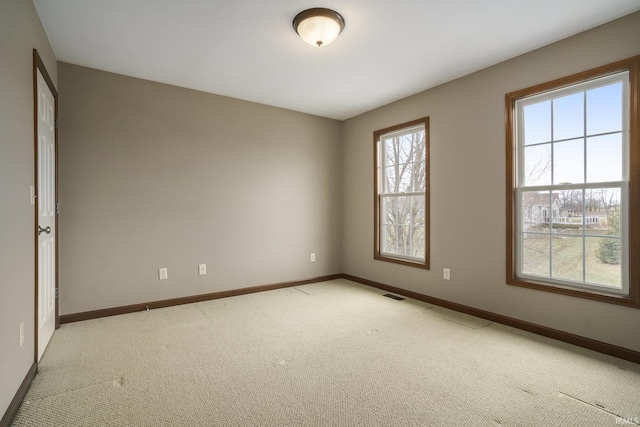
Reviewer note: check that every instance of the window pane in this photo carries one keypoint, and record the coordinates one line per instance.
(407, 242)
(604, 258)
(570, 201)
(404, 148)
(599, 205)
(409, 177)
(535, 254)
(404, 240)
(535, 211)
(417, 210)
(397, 151)
(418, 243)
(604, 158)
(568, 116)
(404, 159)
(567, 258)
(604, 109)
(537, 165)
(403, 230)
(398, 240)
(418, 177)
(569, 219)
(388, 238)
(568, 162)
(396, 210)
(389, 180)
(398, 179)
(537, 123)
(602, 211)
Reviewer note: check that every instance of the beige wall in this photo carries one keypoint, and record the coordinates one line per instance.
(468, 189)
(154, 176)
(20, 33)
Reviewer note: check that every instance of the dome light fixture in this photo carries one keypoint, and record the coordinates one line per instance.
(318, 26)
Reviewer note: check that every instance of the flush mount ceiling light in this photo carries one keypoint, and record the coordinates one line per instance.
(318, 26)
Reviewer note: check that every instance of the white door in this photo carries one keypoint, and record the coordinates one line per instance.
(46, 227)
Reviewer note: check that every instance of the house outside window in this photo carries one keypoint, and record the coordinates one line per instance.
(401, 193)
(572, 174)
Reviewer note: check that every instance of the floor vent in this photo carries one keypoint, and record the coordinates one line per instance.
(396, 297)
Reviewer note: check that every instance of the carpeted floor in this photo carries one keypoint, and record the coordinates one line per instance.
(327, 354)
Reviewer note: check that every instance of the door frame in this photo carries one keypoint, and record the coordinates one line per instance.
(38, 65)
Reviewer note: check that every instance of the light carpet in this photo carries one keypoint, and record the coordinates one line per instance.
(334, 353)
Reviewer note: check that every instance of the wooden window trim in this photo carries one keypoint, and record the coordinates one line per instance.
(632, 65)
(376, 208)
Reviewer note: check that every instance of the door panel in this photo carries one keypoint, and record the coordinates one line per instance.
(46, 205)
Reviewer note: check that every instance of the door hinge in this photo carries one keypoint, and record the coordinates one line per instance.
(57, 292)
(57, 208)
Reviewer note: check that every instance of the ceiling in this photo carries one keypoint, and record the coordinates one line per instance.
(247, 49)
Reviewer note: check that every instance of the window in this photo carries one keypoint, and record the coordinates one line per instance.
(402, 193)
(573, 214)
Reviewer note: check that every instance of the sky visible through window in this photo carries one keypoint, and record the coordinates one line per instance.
(555, 129)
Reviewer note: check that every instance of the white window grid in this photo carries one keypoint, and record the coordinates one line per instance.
(385, 195)
(623, 185)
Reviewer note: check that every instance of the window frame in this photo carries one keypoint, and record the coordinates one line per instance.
(632, 299)
(378, 253)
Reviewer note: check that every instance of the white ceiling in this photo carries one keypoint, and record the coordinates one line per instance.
(247, 49)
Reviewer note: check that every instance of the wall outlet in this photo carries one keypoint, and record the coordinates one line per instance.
(446, 274)
(21, 334)
(202, 269)
(163, 274)
(312, 258)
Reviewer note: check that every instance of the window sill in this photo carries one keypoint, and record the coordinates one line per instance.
(626, 300)
(418, 264)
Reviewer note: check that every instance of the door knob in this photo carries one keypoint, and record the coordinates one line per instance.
(44, 230)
